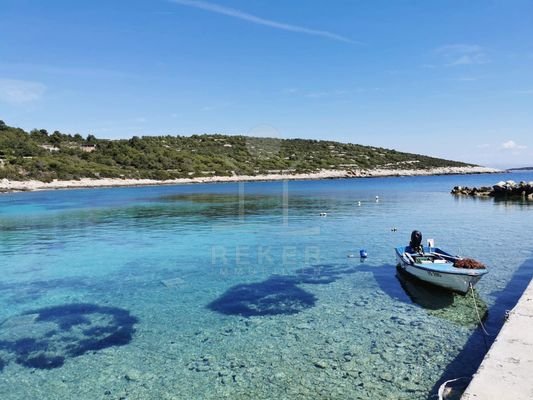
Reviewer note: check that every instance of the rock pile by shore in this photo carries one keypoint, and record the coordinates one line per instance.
(501, 189)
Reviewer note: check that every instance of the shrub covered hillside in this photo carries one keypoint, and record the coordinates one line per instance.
(46, 156)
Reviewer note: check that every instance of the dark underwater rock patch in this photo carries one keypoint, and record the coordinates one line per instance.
(277, 295)
(42, 361)
(47, 337)
(273, 296)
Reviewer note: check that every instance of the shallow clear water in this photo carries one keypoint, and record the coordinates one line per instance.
(242, 291)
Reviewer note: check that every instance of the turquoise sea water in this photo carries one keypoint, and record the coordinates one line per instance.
(243, 291)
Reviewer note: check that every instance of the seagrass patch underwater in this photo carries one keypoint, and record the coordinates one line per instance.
(44, 338)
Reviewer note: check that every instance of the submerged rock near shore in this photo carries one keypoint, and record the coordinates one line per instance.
(501, 189)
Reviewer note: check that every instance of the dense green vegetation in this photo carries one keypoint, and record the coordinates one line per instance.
(46, 156)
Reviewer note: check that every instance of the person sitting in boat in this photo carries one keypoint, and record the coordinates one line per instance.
(416, 242)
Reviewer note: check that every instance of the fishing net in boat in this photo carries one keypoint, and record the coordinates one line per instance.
(469, 263)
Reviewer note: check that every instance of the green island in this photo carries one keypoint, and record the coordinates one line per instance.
(44, 156)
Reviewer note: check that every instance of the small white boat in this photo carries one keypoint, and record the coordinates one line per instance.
(433, 265)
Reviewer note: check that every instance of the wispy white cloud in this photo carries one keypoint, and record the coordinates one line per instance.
(462, 54)
(234, 13)
(216, 106)
(318, 95)
(290, 91)
(512, 145)
(16, 91)
(467, 79)
(31, 68)
(522, 91)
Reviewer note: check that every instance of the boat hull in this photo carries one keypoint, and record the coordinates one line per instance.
(460, 281)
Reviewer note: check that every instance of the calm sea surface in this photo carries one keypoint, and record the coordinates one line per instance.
(243, 291)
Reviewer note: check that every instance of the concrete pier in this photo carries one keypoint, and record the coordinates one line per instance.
(507, 370)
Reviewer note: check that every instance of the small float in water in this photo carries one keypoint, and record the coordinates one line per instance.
(433, 265)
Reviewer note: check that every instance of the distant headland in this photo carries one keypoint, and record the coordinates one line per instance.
(39, 160)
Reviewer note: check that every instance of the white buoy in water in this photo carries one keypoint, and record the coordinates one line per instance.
(358, 203)
(377, 199)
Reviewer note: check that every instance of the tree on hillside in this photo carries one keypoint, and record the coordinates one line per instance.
(55, 138)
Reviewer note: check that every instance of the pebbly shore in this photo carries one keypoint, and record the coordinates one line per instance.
(31, 185)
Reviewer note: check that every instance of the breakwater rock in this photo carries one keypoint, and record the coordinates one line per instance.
(501, 189)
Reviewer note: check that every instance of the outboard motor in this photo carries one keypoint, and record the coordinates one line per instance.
(416, 242)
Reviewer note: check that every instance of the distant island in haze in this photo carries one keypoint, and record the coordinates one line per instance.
(521, 169)
(49, 157)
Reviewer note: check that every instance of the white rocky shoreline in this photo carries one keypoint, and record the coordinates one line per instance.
(33, 185)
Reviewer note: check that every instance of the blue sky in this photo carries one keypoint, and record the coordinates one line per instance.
(452, 79)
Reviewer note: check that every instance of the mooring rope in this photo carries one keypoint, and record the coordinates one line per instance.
(477, 311)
